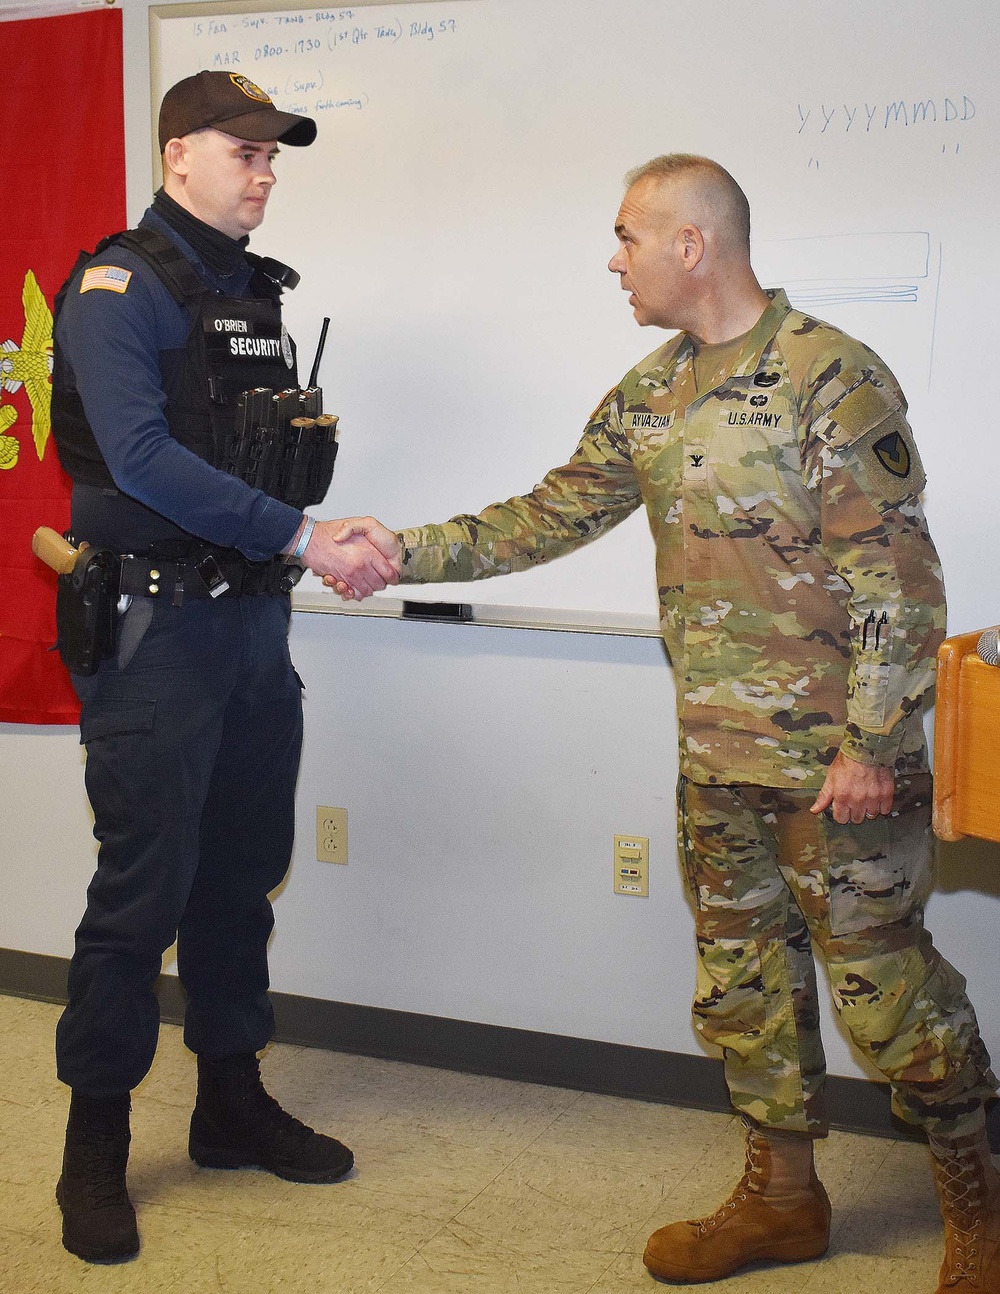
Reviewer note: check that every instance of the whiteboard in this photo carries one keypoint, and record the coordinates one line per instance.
(454, 220)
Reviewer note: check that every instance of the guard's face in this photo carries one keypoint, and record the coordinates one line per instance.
(227, 180)
(649, 260)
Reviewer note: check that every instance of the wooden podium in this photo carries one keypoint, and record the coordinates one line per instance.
(966, 742)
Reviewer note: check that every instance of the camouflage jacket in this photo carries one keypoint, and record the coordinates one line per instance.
(801, 596)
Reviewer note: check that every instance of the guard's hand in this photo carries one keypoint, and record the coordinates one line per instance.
(379, 536)
(854, 792)
(344, 554)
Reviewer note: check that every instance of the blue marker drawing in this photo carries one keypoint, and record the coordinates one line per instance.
(834, 269)
(839, 272)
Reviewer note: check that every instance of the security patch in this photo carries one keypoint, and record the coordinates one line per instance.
(109, 277)
(249, 89)
(893, 453)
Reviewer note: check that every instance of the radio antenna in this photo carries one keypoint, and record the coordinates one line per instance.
(314, 374)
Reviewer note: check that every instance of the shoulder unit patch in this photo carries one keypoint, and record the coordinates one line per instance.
(893, 453)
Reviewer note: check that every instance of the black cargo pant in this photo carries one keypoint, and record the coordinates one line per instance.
(192, 756)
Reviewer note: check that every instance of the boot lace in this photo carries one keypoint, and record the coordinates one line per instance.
(753, 1176)
(258, 1110)
(102, 1168)
(277, 1122)
(961, 1187)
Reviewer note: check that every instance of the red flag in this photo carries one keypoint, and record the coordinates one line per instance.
(64, 189)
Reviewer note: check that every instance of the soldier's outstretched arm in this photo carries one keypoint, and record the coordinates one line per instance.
(574, 504)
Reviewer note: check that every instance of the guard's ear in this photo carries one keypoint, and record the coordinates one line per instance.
(175, 157)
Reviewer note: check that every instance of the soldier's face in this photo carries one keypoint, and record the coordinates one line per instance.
(650, 256)
(227, 181)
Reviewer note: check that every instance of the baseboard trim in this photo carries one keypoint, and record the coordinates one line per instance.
(584, 1064)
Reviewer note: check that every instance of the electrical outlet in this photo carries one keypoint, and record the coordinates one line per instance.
(632, 866)
(331, 834)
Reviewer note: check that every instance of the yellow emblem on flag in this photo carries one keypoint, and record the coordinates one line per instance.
(28, 365)
(9, 445)
(110, 277)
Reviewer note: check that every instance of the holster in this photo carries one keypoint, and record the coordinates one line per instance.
(87, 610)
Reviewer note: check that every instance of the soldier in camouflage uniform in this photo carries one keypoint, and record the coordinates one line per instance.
(802, 606)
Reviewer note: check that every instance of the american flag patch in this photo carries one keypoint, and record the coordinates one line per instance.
(109, 277)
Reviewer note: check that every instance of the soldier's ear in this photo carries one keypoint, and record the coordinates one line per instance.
(691, 245)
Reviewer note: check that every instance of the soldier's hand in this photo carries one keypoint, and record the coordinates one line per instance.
(853, 792)
(345, 555)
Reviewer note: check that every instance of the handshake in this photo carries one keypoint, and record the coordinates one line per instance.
(356, 556)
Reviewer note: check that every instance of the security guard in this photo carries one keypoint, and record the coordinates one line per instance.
(802, 606)
(193, 726)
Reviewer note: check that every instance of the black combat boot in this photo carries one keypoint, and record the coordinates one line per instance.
(236, 1124)
(98, 1217)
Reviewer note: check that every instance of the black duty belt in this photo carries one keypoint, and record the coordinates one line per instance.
(207, 576)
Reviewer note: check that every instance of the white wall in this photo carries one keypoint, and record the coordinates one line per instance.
(485, 772)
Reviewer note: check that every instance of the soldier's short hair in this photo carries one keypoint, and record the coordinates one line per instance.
(727, 196)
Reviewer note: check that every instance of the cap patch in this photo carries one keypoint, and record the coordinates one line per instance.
(249, 89)
(110, 277)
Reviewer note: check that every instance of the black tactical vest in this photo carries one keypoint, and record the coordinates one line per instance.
(234, 344)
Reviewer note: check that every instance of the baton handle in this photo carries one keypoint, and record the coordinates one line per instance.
(54, 551)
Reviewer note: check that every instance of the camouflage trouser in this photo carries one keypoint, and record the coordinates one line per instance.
(769, 880)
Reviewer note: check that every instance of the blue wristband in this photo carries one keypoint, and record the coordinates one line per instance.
(304, 538)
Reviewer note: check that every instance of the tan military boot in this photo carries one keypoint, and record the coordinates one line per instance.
(779, 1212)
(968, 1188)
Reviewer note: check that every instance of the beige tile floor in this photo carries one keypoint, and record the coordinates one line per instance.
(464, 1185)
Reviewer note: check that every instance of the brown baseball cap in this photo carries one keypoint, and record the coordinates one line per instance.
(233, 104)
